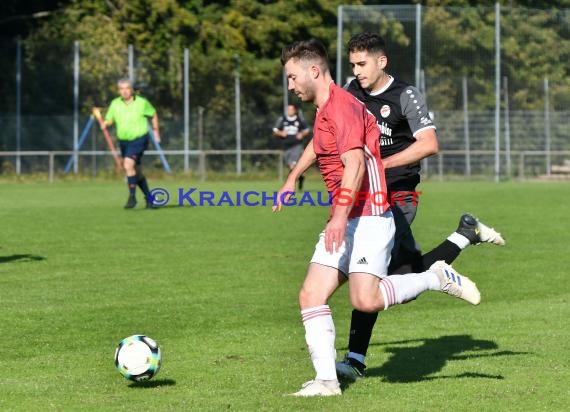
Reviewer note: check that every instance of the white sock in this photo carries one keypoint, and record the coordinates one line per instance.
(398, 289)
(461, 241)
(320, 338)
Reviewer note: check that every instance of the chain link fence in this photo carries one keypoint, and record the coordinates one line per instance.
(492, 122)
(484, 110)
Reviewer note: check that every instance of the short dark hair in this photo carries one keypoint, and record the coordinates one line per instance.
(312, 49)
(367, 41)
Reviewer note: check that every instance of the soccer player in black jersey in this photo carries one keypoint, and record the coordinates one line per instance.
(408, 135)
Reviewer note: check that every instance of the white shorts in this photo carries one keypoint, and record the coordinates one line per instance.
(367, 246)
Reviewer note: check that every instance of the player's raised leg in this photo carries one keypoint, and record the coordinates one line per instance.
(477, 232)
(398, 289)
(455, 284)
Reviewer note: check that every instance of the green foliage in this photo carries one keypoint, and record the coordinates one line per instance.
(214, 32)
(533, 48)
(534, 43)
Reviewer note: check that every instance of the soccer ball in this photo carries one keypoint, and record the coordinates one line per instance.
(138, 358)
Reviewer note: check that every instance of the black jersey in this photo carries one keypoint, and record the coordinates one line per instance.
(401, 112)
(292, 125)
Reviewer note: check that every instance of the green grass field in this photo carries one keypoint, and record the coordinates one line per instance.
(217, 288)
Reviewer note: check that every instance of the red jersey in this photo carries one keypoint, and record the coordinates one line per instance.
(341, 124)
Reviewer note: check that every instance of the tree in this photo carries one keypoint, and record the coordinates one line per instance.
(533, 43)
(458, 41)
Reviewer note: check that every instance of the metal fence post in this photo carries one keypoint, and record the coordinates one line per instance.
(497, 89)
(547, 126)
(339, 47)
(237, 115)
(51, 166)
(131, 63)
(186, 108)
(75, 107)
(18, 104)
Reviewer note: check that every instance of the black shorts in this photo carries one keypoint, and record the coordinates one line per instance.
(134, 149)
(406, 254)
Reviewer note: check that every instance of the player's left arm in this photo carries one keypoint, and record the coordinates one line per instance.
(149, 111)
(416, 112)
(425, 145)
(155, 127)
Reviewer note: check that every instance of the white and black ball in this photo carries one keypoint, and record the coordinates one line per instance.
(138, 358)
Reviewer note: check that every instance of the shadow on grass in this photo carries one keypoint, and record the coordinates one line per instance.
(417, 363)
(22, 258)
(154, 383)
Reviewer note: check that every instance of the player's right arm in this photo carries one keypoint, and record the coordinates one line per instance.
(353, 173)
(278, 129)
(155, 127)
(109, 118)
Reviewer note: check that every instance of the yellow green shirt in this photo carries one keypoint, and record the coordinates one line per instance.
(131, 120)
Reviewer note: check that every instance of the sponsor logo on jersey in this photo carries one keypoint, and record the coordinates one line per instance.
(385, 134)
(385, 111)
(385, 129)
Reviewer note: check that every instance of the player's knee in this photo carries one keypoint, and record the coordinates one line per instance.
(129, 165)
(309, 298)
(306, 297)
(365, 304)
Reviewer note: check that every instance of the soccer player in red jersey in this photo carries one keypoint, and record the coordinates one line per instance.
(358, 237)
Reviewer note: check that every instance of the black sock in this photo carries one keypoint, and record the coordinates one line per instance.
(132, 184)
(447, 251)
(301, 180)
(144, 186)
(361, 325)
